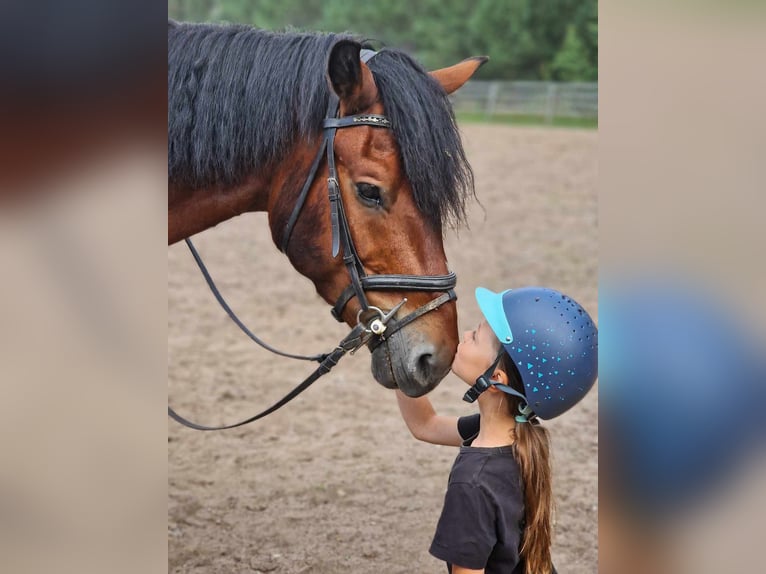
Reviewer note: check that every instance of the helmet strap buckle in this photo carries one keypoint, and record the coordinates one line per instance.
(526, 413)
(483, 382)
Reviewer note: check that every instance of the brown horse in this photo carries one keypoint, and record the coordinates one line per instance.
(245, 125)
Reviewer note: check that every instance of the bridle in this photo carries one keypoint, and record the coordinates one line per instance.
(341, 234)
(374, 325)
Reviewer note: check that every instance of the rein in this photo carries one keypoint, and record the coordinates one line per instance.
(378, 325)
(351, 342)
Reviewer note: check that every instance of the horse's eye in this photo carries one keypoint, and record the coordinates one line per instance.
(369, 193)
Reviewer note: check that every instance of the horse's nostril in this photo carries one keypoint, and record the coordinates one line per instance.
(425, 365)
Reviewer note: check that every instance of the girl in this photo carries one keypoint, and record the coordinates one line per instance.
(532, 357)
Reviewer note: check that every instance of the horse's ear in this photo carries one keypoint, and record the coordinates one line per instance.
(350, 79)
(455, 76)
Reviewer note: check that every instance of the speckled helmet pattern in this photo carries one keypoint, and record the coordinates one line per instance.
(552, 340)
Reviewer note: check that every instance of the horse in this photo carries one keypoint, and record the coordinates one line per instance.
(250, 116)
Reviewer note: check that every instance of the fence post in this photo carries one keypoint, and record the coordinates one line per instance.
(494, 88)
(550, 105)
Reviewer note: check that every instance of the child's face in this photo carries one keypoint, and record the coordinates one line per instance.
(475, 352)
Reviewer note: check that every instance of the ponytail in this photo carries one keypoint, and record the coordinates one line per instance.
(532, 452)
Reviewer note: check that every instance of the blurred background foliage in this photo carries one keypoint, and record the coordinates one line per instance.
(550, 40)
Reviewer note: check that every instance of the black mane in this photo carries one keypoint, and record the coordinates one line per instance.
(428, 137)
(239, 98)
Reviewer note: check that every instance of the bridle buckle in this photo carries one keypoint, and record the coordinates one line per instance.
(378, 325)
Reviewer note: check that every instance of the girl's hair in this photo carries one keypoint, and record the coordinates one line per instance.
(532, 452)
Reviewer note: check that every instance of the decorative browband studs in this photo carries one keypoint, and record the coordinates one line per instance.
(379, 120)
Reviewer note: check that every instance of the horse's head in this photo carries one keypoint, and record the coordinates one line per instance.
(397, 186)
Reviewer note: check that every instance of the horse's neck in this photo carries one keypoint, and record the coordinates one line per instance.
(190, 212)
(272, 189)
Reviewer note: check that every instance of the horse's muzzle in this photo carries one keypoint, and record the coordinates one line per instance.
(409, 362)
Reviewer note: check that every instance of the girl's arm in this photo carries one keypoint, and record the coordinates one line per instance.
(460, 570)
(426, 425)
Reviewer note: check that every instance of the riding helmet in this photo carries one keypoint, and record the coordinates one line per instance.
(552, 341)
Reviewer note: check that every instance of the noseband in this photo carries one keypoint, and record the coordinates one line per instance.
(374, 325)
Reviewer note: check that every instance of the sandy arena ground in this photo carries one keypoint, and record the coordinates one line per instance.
(333, 482)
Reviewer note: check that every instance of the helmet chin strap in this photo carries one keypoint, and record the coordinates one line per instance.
(485, 381)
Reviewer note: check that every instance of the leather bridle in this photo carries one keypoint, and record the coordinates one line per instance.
(374, 325)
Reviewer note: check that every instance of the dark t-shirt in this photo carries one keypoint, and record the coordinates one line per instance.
(481, 522)
(468, 427)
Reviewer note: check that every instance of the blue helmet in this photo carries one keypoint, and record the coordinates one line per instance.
(552, 341)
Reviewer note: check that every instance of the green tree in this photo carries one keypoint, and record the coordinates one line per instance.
(522, 37)
(586, 21)
(271, 14)
(571, 62)
(192, 10)
(525, 39)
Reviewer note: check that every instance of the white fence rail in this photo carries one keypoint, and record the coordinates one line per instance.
(547, 100)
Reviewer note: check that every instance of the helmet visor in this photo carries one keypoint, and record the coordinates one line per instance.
(491, 305)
